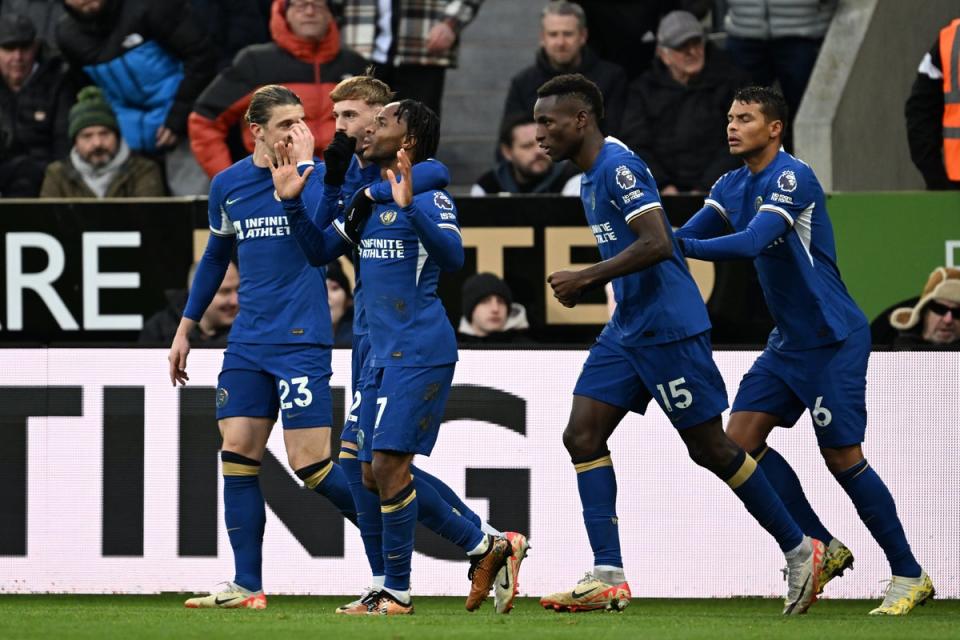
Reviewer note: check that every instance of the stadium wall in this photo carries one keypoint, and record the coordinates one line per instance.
(111, 482)
(850, 127)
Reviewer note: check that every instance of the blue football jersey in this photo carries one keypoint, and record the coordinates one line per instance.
(798, 272)
(655, 305)
(407, 322)
(282, 298)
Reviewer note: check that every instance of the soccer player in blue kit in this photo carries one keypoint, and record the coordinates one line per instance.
(278, 353)
(657, 345)
(773, 210)
(412, 348)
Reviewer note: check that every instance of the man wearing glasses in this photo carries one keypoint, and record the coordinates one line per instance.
(935, 320)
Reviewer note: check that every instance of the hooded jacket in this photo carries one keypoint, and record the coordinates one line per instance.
(610, 78)
(150, 58)
(309, 69)
(678, 129)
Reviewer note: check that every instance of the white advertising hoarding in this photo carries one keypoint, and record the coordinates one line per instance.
(678, 523)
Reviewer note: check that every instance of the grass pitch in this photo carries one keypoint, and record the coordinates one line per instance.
(104, 617)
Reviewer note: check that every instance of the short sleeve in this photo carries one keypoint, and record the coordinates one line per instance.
(632, 188)
(439, 206)
(717, 198)
(220, 223)
(789, 193)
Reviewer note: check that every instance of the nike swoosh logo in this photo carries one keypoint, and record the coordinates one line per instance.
(291, 414)
(230, 202)
(219, 602)
(582, 593)
(390, 556)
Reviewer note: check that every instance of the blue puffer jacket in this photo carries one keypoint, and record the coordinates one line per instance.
(150, 58)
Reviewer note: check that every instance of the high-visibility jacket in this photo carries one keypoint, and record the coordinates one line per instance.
(950, 59)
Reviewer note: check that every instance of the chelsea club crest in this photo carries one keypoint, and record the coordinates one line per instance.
(388, 217)
(222, 397)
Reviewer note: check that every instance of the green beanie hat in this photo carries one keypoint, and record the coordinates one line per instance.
(91, 109)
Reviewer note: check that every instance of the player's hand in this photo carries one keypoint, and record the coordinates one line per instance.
(178, 359)
(402, 188)
(303, 142)
(440, 38)
(358, 212)
(337, 156)
(286, 179)
(567, 287)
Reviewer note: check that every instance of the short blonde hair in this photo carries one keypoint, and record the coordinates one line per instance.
(366, 88)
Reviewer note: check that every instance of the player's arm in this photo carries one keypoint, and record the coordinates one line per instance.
(429, 175)
(709, 222)
(765, 227)
(441, 238)
(206, 280)
(653, 245)
(320, 247)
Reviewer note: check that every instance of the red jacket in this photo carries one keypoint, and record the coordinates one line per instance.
(309, 69)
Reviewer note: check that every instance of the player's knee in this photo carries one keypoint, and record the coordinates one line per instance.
(713, 454)
(841, 458)
(580, 442)
(369, 480)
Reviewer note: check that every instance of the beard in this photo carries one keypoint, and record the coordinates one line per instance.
(99, 157)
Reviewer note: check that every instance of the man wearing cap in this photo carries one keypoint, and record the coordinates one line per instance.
(35, 95)
(489, 312)
(100, 164)
(678, 109)
(935, 319)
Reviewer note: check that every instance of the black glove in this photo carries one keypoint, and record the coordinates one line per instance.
(337, 157)
(356, 216)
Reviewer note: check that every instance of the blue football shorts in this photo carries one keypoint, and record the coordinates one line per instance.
(408, 408)
(257, 380)
(358, 425)
(830, 382)
(681, 376)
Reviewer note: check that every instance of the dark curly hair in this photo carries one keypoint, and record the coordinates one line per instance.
(575, 85)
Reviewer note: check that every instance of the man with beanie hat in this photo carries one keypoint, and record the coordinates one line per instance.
(35, 93)
(100, 163)
(935, 319)
(489, 312)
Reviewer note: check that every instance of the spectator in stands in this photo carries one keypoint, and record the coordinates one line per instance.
(778, 40)
(677, 111)
(100, 164)
(933, 112)
(213, 328)
(622, 31)
(935, 319)
(489, 313)
(563, 40)
(305, 56)
(44, 14)
(35, 95)
(340, 299)
(526, 167)
(232, 25)
(152, 59)
(411, 45)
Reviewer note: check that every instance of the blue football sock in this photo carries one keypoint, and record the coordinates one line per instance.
(597, 484)
(245, 517)
(785, 482)
(752, 487)
(328, 480)
(447, 494)
(439, 516)
(399, 515)
(878, 511)
(369, 520)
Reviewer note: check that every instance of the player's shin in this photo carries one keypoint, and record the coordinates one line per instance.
(449, 496)
(244, 516)
(399, 514)
(750, 484)
(369, 520)
(785, 482)
(597, 485)
(878, 512)
(440, 516)
(328, 480)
